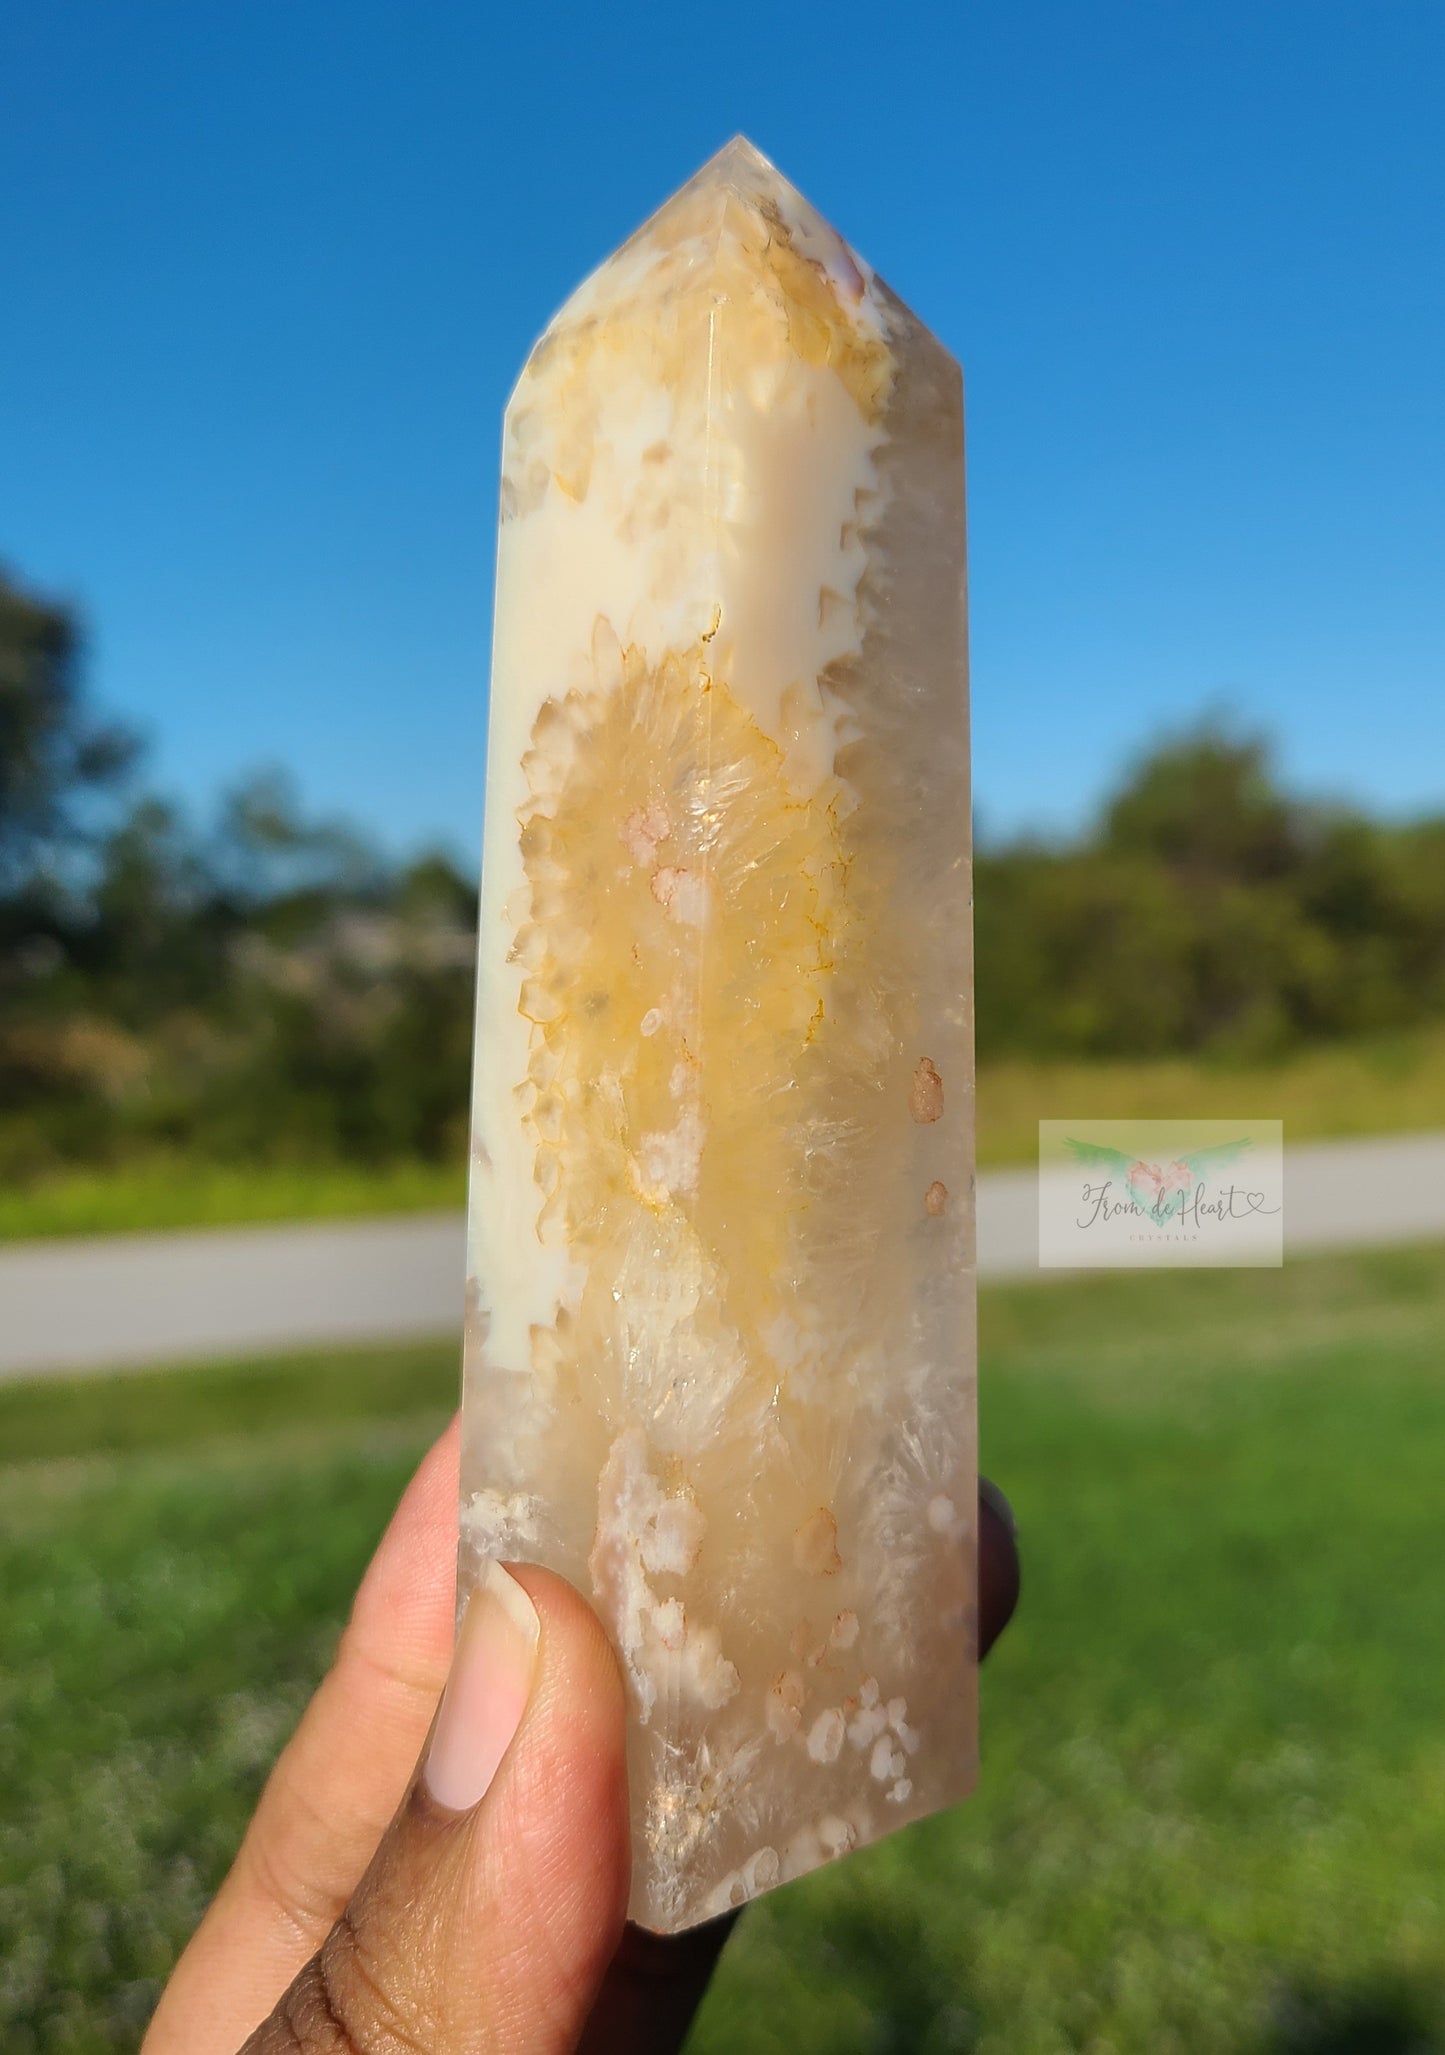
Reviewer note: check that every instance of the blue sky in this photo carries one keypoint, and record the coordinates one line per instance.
(269, 271)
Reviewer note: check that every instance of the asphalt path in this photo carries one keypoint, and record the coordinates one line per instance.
(119, 1300)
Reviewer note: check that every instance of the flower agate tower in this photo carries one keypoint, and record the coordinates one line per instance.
(720, 1353)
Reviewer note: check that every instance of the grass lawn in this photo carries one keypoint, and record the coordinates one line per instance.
(1392, 1085)
(179, 1192)
(1212, 1809)
(1389, 1086)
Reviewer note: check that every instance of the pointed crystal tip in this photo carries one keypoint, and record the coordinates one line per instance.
(741, 155)
(740, 167)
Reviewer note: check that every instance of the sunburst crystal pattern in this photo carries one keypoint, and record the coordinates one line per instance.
(686, 916)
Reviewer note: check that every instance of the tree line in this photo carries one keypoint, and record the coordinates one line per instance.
(257, 986)
(262, 985)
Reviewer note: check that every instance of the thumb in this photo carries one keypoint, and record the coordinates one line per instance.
(496, 1900)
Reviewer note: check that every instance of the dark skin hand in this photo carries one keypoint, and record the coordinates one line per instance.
(365, 1916)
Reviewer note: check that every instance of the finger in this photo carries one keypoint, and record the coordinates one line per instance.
(656, 1981)
(653, 1987)
(337, 1783)
(999, 1572)
(497, 1897)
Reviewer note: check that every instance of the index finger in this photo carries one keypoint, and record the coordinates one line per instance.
(336, 1784)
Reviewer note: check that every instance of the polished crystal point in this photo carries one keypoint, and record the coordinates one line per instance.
(720, 1342)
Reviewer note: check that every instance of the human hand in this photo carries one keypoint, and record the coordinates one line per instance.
(377, 1904)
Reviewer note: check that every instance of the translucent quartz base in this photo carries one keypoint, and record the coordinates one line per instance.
(720, 1343)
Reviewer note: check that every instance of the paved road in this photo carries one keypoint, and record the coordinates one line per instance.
(1337, 1195)
(128, 1299)
(152, 1298)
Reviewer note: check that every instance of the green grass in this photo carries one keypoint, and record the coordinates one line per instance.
(1212, 1808)
(1392, 1085)
(237, 1405)
(180, 1192)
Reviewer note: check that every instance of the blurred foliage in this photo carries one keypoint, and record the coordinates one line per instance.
(264, 988)
(52, 753)
(267, 989)
(1210, 911)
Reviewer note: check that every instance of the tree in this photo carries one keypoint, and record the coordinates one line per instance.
(53, 751)
(1210, 909)
(1205, 805)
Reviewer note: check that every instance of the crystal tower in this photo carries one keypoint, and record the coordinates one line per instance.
(720, 1355)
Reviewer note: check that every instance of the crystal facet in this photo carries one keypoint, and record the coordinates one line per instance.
(720, 1352)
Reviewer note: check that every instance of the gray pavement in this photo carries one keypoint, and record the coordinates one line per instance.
(122, 1300)
(118, 1300)
(1337, 1195)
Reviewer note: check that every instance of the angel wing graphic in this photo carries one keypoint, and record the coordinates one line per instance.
(1203, 1163)
(1143, 1181)
(1154, 1185)
(1094, 1156)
